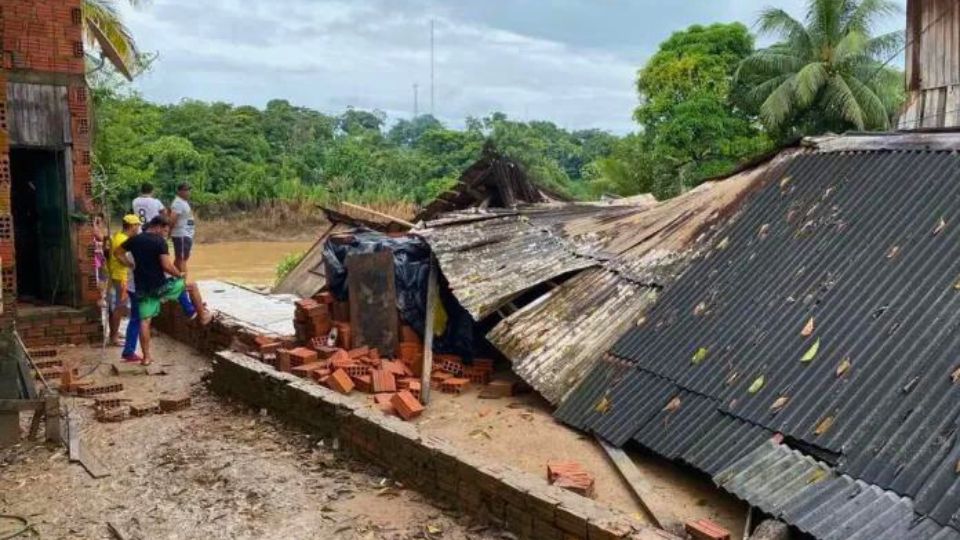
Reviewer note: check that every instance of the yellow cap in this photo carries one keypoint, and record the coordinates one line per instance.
(131, 219)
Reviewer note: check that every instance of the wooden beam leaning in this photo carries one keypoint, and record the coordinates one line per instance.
(433, 295)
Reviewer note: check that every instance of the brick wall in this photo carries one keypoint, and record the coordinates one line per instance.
(515, 500)
(44, 38)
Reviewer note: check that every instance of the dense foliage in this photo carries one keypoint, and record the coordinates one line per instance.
(708, 102)
(241, 156)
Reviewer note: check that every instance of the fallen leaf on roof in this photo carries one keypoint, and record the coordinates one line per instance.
(811, 352)
(603, 405)
(817, 476)
(756, 385)
(893, 252)
(843, 367)
(723, 244)
(700, 355)
(764, 229)
(785, 181)
(956, 285)
(955, 375)
(956, 468)
(779, 403)
(641, 321)
(941, 225)
(732, 378)
(823, 426)
(699, 309)
(673, 405)
(807, 328)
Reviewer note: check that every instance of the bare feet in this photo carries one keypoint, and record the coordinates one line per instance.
(146, 361)
(206, 318)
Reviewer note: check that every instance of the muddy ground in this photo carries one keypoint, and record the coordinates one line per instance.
(216, 470)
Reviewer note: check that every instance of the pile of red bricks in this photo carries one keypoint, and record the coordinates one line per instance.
(571, 476)
(394, 378)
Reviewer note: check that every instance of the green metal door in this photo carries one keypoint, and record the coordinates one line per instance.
(56, 256)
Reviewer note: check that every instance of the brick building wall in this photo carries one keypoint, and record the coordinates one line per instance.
(42, 43)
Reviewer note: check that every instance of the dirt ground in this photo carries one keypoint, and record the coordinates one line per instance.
(215, 470)
(522, 432)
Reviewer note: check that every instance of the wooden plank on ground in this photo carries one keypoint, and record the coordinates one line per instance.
(373, 301)
(634, 478)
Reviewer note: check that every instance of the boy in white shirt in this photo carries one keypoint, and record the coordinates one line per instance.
(146, 206)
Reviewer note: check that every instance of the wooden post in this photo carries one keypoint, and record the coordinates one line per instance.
(52, 412)
(632, 476)
(433, 295)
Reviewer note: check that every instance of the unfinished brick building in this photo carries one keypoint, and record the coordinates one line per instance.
(46, 196)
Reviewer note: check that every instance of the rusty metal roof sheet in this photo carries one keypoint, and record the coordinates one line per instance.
(828, 311)
(554, 340)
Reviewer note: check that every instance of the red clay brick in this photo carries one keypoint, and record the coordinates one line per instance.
(449, 363)
(476, 375)
(305, 370)
(320, 374)
(341, 359)
(454, 385)
(175, 403)
(497, 389)
(407, 406)
(283, 360)
(357, 369)
(704, 529)
(359, 352)
(570, 475)
(340, 382)
(324, 352)
(364, 383)
(382, 381)
(301, 356)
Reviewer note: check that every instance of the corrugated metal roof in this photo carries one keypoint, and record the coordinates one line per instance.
(812, 496)
(555, 340)
(867, 245)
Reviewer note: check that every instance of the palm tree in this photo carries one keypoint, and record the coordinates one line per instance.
(826, 73)
(104, 28)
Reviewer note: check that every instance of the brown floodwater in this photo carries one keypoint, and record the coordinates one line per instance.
(246, 263)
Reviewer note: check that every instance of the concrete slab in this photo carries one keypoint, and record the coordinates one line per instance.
(263, 313)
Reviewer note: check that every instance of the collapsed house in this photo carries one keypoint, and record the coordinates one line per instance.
(493, 181)
(561, 281)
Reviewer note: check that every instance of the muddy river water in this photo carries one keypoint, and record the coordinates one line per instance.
(247, 263)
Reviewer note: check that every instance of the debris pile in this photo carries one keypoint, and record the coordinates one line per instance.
(324, 351)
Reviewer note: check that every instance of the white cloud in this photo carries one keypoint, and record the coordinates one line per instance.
(572, 62)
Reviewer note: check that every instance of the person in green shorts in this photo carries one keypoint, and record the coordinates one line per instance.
(158, 280)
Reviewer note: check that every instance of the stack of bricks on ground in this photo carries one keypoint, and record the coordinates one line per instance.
(110, 405)
(394, 377)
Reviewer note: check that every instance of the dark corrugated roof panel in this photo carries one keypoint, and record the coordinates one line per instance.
(828, 311)
(809, 494)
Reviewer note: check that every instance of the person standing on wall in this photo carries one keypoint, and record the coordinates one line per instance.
(146, 206)
(181, 215)
(152, 265)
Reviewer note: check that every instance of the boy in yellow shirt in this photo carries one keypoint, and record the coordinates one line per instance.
(118, 300)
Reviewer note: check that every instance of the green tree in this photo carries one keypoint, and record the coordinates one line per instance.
(691, 126)
(826, 73)
(104, 28)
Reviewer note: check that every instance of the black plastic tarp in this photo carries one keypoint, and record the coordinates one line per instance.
(411, 263)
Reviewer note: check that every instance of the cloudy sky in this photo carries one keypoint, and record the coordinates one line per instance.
(569, 61)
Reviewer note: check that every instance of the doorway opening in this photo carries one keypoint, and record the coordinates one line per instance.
(44, 258)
